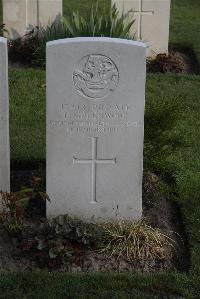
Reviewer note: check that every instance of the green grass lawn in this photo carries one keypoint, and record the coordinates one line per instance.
(99, 286)
(185, 25)
(83, 6)
(27, 115)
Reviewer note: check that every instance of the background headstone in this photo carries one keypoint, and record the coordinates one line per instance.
(21, 16)
(95, 112)
(49, 11)
(4, 119)
(151, 22)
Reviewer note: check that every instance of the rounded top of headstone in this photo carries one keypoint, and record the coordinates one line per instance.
(97, 39)
(3, 40)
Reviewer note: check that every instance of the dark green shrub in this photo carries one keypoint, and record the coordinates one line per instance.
(62, 239)
(22, 50)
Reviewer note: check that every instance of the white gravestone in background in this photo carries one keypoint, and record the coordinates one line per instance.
(21, 16)
(95, 112)
(4, 119)
(151, 22)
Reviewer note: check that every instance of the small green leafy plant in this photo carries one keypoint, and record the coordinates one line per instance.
(62, 239)
(75, 230)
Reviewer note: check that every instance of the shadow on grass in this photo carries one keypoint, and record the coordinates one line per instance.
(161, 139)
(187, 49)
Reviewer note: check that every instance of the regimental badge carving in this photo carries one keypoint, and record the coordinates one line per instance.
(96, 76)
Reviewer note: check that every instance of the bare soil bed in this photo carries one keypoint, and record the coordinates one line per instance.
(176, 62)
(157, 210)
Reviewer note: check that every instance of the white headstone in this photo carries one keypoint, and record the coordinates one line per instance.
(95, 111)
(151, 22)
(4, 119)
(49, 11)
(21, 16)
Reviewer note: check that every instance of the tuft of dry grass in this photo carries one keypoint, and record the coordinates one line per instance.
(134, 241)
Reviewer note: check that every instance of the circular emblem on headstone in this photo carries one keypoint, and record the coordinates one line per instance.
(96, 76)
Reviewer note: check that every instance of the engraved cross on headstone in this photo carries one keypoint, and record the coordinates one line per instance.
(94, 161)
(140, 13)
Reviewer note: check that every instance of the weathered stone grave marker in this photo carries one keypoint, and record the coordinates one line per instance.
(4, 119)
(151, 22)
(95, 112)
(21, 16)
